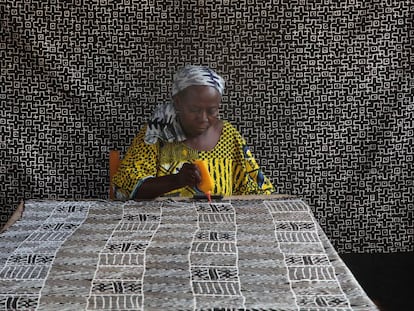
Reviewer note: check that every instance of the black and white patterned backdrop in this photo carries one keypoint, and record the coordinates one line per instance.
(322, 91)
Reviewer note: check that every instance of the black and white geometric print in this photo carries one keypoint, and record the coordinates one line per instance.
(213, 261)
(29, 263)
(304, 256)
(119, 276)
(321, 90)
(233, 255)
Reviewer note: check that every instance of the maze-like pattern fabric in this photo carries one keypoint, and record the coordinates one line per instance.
(321, 90)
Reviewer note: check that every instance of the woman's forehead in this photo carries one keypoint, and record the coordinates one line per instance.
(201, 92)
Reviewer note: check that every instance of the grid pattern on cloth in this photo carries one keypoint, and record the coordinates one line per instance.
(321, 90)
(163, 255)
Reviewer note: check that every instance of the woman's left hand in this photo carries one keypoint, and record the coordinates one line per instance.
(189, 175)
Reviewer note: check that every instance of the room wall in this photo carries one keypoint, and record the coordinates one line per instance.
(321, 90)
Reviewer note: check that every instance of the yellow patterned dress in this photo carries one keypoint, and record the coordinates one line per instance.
(230, 163)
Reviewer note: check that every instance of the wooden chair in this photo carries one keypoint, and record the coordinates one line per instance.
(114, 161)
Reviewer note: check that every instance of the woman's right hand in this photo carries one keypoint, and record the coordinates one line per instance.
(189, 175)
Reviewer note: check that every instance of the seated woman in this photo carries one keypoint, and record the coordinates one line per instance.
(159, 161)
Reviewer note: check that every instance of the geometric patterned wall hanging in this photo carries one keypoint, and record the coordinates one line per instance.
(321, 90)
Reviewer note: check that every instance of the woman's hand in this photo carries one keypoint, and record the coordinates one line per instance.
(189, 175)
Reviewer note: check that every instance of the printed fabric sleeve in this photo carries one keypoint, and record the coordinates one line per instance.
(139, 163)
(248, 177)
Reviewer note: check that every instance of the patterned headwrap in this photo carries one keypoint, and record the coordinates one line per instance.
(164, 124)
(196, 75)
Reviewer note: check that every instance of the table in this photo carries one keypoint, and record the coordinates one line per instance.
(261, 254)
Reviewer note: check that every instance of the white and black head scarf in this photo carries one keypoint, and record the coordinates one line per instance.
(196, 75)
(164, 124)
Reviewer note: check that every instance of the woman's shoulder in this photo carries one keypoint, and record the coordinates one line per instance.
(139, 137)
(230, 136)
(138, 140)
(229, 144)
(230, 130)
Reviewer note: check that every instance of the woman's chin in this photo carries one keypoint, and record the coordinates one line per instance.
(197, 131)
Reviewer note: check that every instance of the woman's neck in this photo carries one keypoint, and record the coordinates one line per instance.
(207, 140)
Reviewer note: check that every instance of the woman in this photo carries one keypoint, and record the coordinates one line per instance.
(159, 160)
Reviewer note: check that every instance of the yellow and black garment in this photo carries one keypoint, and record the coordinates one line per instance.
(230, 163)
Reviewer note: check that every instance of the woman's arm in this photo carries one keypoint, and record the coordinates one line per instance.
(151, 188)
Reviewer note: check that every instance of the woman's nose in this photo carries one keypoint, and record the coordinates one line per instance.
(204, 116)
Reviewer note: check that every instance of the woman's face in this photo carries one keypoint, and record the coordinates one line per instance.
(198, 108)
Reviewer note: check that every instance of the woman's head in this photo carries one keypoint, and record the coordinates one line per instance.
(196, 75)
(197, 95)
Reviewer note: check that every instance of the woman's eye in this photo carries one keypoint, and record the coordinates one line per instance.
(212, 111)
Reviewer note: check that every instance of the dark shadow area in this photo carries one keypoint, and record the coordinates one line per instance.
(387, 278)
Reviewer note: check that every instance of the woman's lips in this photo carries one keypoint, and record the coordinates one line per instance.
(202, 127)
